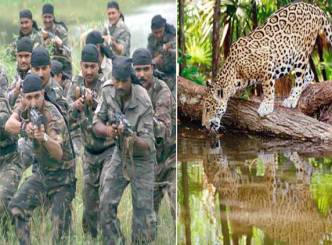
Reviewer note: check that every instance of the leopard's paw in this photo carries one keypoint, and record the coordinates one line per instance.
(290, 102)
(265, 108)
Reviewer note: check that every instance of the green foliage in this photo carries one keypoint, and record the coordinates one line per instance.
(198, 30)
(321, 189)
(7, 62)
(41, 226)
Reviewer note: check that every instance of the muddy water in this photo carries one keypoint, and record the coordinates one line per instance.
(248, 190)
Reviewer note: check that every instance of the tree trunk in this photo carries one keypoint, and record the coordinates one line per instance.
(216, 39)
(283, 122)
(321, 57)
(181, 38)
(254, 14)
(228, 38)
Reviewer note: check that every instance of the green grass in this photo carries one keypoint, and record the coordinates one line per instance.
(41, 227)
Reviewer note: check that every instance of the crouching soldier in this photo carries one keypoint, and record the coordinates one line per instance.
(53, 180)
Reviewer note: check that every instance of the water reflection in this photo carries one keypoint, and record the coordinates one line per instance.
(244, 190)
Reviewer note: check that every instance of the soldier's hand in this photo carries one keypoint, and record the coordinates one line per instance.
(79, 104)
(88, 96)
(108, 39)
(57, 40)
(38, 133)
(120, 128)
(44, 34)
(17, 88)
(29, 130)
(166, 47)
(112, 131)
(158, 59)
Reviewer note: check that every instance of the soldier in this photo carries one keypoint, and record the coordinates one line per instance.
(55, 34)
(41, 66)
(3, 82)
(164, 127)
(23, 58)
(115, 32)
(54, 178)
(10, 167)
(28, 28)
(62, 78)
(105, 55)
(125, 113)
(86, 93)
(162, 45)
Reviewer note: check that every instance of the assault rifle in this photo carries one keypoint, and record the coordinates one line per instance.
(90, 103)
(120, 118)
(37, 119)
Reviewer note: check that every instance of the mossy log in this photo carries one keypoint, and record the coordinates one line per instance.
(299, 123)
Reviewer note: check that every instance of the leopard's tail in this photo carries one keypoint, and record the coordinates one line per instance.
(326, 28)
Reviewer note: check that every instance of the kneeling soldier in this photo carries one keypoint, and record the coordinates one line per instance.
(53, 181)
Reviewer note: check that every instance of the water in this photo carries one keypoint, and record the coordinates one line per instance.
(250, 190)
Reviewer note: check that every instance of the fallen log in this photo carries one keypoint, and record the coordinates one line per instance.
(283, 122)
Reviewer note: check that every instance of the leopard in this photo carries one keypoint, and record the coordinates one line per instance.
(282, 45)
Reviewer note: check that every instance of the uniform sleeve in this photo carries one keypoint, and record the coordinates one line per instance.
(101, 114)
(56, 127)
(18, 108)
(71, 97)
(162, 115)
(124, 39)
(145, 127)
(151, 46)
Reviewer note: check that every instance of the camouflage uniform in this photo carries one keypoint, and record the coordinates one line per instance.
(106, 69)
(10, 167)
(120, 33)
(96, 151)
(3, 82)
(164, 130)
(35, 36)
(169, 58)
(62, 54)
(122, 169)
(18, 78)
(53, 181)
(54, 93)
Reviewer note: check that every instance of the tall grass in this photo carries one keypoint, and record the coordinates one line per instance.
(41, 226)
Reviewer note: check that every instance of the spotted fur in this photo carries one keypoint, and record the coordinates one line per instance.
(282, 45)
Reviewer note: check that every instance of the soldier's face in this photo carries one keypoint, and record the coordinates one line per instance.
(23, 60)
(89, 71)
(158, 33)
(113, 15)
(44, 72)
(48, 20)
(34, 99)
(144, 73)
(26, 25)
(122, 88)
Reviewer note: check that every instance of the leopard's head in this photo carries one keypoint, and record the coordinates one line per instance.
(214, 107)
